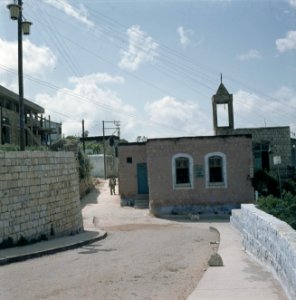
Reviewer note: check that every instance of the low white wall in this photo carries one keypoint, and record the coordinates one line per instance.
(97, 162)
(269, 240)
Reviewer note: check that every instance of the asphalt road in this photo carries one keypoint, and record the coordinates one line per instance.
(142, 258)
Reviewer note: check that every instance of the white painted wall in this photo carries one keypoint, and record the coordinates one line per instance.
(269, 240)
(97, 162)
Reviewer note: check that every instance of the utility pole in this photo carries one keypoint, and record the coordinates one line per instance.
(83, 135)
(23, 28)
(21, 84)
(117, 128)
(104, 148)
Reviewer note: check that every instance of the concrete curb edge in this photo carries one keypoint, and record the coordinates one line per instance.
(50, 251)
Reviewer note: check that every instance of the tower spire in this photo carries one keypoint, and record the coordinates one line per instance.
(221, 77)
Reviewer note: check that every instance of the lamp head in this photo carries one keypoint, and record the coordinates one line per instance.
(14, 11)
(26, 27)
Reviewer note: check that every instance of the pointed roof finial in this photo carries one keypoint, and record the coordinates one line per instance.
(221, 77)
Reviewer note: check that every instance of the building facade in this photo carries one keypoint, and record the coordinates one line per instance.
(38, 130)
(202, 175)
(267, 142)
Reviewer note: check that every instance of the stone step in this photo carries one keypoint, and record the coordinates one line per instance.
(142, 202)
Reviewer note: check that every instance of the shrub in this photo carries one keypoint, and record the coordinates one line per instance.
(283, 209)
(84, 165)
(265, 184)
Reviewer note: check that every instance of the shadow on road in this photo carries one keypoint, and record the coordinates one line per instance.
(91, 197)
(92, 249)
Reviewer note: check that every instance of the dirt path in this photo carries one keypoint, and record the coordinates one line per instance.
(142, 258)
(166, 259)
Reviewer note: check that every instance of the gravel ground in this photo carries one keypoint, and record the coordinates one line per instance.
(142, 258)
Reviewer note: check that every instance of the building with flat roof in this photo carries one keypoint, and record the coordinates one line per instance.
(38, 130)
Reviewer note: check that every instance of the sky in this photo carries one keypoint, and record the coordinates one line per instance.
(154, 65)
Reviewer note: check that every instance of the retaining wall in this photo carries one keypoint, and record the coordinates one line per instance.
(39, 195)
(269, 240)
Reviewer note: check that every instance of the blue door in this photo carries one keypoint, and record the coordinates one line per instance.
(142, 178)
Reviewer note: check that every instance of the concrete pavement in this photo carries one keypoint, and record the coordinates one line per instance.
(240, 278)
(21, 253)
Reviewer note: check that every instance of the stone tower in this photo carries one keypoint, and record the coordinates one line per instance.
(222, 97)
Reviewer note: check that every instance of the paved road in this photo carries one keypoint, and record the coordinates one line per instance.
(142, 258)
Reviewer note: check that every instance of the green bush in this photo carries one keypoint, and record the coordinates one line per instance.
(84, 165)
(283, 209)
(265, 184)
(9, 147)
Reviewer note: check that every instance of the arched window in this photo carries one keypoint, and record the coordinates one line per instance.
(182, 170)
(215, 169)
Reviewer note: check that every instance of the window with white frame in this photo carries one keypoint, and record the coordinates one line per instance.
(215, 170)
(182, 170)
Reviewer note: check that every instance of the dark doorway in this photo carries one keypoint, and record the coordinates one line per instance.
(142, 178)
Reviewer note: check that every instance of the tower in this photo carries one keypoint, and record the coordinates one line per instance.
(222, 99)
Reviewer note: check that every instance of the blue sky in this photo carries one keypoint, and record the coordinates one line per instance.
(154, 65)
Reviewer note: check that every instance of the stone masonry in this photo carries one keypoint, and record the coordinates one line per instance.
(271, 241)
(39, 195)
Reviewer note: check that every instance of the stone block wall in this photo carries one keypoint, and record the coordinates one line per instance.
(269, 240)
(277, 137)
(39, 195)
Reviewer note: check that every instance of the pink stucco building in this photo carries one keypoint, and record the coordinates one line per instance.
(199, 175)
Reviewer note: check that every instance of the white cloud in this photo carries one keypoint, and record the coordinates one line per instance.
(142, 48)
(175, 118)
(36, 60)
(89, 102)
(80, 14)
(292, 3)
(98, 78)
(251, 54)
(185, 35)
(287, 43)
(252, 110)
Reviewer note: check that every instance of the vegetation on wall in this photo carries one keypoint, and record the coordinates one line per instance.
(271, 201)
(282, 208)
(71, 143)
(84, 165)
(11, 147)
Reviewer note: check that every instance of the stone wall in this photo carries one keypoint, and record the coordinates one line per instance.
(278, 139)
(39, 195)
(271, 241)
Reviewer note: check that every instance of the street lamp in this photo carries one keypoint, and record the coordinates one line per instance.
(23, 28)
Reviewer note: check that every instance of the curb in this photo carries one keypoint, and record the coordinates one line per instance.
(23, 257)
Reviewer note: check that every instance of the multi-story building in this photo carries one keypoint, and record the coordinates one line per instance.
(38, 130)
